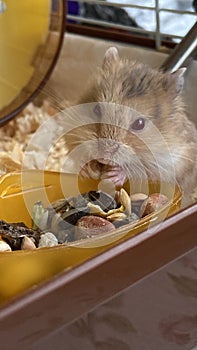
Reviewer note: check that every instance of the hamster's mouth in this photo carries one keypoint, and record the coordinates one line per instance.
(104, 169)
(112, 171)
(104, 161)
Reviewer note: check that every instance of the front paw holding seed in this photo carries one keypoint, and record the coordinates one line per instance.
(114, 173)
(92, 169)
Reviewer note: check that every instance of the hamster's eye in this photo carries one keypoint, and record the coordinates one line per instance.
(97, 110)
(138, 124)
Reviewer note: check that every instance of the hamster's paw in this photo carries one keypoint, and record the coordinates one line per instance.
(116, 174)
(91, 169)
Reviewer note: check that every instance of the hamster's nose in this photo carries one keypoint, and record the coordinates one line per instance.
(107, 147)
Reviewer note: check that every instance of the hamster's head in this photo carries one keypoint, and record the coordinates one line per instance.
(139, 120)
(149, 91)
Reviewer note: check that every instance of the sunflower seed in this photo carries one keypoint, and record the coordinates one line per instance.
(27, 243)
(118, 216)
(125, 201)
(96, 209)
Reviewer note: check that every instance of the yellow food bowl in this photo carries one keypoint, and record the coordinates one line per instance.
(21, 270)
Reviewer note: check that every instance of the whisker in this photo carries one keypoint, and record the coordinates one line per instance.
(177, 155)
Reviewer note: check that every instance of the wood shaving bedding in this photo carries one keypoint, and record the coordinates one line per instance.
(16, 135)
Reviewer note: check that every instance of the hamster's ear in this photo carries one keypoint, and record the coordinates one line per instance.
(178, 79)
(111, 56)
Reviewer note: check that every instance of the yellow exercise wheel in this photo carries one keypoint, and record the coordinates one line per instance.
(31, 35)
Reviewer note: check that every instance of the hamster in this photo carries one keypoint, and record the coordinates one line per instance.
(141, 128)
